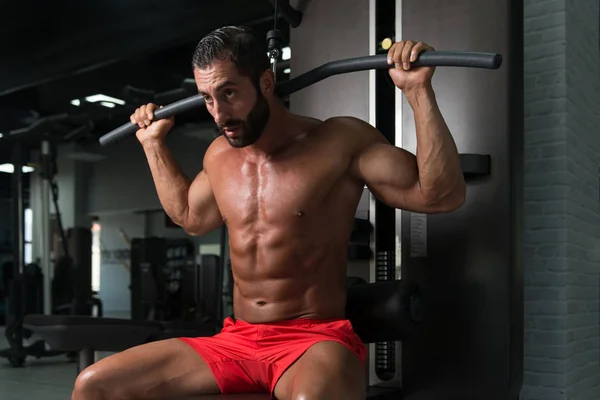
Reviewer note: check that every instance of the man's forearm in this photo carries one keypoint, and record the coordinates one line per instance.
(172, 185)
(440, 173)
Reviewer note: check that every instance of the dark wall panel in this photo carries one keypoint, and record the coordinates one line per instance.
(469, 263)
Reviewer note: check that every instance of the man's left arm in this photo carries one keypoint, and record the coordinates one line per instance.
(430, 181)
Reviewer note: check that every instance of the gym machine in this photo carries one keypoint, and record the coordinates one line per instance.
(164, 279)
(27, 287)
(34, 288)
(440, 304)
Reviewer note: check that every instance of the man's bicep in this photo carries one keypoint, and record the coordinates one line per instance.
(203, 213)
(390, 173)
(385, 164)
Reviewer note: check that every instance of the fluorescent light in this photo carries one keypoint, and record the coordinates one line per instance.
(287, 71)
(107, 104)
(76, 102)
(10, 168)
(1, 135)
(104, 98)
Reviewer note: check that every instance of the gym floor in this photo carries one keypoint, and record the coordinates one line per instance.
(48, 378)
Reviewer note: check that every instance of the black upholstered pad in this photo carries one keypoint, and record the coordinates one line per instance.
(384, 311)
(73, 333)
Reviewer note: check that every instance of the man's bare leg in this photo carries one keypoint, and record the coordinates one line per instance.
(158, 370)
(327, 371)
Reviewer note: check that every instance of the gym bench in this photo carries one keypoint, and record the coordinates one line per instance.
(380, 312)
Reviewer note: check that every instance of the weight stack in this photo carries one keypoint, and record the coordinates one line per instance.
(385, 352)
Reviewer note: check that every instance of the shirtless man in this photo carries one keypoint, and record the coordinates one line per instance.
(287, 187)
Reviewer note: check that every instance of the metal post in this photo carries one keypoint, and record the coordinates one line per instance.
(45, 222)
(86, 357)
(20, 299)
(17, 209)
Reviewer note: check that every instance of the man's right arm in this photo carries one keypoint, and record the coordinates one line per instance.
(190, 205)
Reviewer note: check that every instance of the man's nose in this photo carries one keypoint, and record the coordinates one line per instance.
(220, 113)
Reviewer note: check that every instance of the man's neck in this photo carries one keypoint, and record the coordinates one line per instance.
(278, 134)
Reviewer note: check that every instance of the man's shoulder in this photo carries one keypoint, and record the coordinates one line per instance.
(341, 121)
(216, 150)
(347, 124)
(349, 130)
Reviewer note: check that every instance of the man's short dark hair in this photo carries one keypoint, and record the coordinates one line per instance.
(238, 44)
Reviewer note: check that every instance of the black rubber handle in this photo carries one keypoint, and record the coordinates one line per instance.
(162, 113)
(431, 58)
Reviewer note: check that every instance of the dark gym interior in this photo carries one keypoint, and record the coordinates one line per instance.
(498, 299)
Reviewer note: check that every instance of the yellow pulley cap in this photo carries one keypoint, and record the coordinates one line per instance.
(386, 43)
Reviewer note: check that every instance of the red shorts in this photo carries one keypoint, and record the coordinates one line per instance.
(250, 358)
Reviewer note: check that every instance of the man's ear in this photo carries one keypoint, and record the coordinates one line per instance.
(267, 83)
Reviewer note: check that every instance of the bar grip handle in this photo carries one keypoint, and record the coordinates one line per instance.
(428, 58)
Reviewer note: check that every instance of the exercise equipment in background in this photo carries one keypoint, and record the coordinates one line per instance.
(367, 302)
(85, 335)
(164, 279)
(30, 290)
(26, 288)
(71, 294)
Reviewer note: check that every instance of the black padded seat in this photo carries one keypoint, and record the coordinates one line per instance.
(72, 333)
(384, 311)
(86, 335)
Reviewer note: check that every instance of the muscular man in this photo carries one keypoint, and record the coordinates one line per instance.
(287, 187)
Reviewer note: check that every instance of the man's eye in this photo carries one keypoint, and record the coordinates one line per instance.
(229, 93)
(207, 99)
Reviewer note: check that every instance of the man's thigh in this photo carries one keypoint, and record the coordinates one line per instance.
(157, 370)
(327, 370)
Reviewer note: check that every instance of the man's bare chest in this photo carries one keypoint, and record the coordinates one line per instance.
(269, 192)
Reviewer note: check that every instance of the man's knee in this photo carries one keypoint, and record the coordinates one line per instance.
(332, 391)
(88, 385)
(332, 386)
(91, 384)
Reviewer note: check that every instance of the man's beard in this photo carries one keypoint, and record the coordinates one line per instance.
(252, 127)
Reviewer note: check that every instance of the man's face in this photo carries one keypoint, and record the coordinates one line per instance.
(240, 111)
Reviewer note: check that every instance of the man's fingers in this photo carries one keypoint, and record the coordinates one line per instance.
(395, 54)
(150, 111)
(416, 50)
(390, 54)
(419, 48)
(136, 118)
(405, 56)
(398, 54)
(403, 53)
(144, 115)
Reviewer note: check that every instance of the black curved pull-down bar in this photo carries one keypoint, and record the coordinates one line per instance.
(433, 58)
